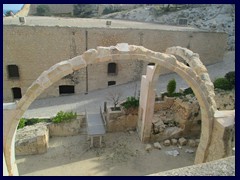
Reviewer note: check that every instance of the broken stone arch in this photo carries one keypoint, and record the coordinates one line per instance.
(196, 76)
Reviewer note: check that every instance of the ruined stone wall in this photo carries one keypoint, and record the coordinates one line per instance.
(121, 120)
(185, 114)
(175, 117)
(34, 49)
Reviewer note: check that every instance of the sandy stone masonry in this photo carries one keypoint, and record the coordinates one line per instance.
(195, 75)
(55, 39)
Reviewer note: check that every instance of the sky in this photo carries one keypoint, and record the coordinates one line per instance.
(12, 6)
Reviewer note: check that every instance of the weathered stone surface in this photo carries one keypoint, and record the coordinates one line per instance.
(90, 56)
(174, 142)
(65, 128)
(197, 141)
(148, 147)
(77, 63)
(157, 145)
(191, 143)
(223, 135)
(32, 139)
(166, 143)
(182, 141)
(225, 100)
(120, 121)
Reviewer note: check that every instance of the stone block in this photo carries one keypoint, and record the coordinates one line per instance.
(191, 143)
(148, 147)
(166, 143)
(77, 63)
(174, 142)
(32, 139)
(90, 56)
(182, 141)
(157, 145)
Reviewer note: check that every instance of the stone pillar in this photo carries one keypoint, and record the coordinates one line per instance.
(146, 105)
(9, 111)
(222, 140)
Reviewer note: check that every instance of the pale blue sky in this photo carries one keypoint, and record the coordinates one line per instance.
(12, 6)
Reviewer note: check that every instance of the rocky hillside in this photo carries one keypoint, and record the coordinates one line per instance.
(210, 17)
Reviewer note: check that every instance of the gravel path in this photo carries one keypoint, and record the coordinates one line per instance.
(94, 99)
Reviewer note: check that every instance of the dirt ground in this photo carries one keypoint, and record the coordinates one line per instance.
(122, 154)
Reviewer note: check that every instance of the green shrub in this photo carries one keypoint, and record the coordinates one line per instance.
(222, 83)
(64, 117)
(131, 102)
(171, 87)
(33, 121)
(21, 123)
(177, 94)
(230, 76)
(188, 91)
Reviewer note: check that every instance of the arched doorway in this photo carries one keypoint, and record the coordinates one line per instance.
(195, 75)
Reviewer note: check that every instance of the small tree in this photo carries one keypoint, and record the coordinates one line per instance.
(222, 83)
(115, 98)
(171, 87)
(43, 10)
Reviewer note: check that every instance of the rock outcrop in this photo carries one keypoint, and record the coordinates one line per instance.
(210, 17)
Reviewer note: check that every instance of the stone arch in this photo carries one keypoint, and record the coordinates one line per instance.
(198, 79)
(121, 51)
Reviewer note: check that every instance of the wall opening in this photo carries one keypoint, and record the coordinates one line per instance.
(13, 71)
(110, 83)
(182, 21)
(66, 89)
(17, 94)
(112, 69)
(151, 64)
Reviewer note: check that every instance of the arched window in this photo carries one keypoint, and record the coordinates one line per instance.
(112, 68)
(13, 71)
(17, 94)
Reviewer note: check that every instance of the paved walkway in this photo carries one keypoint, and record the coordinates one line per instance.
(92, 100)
